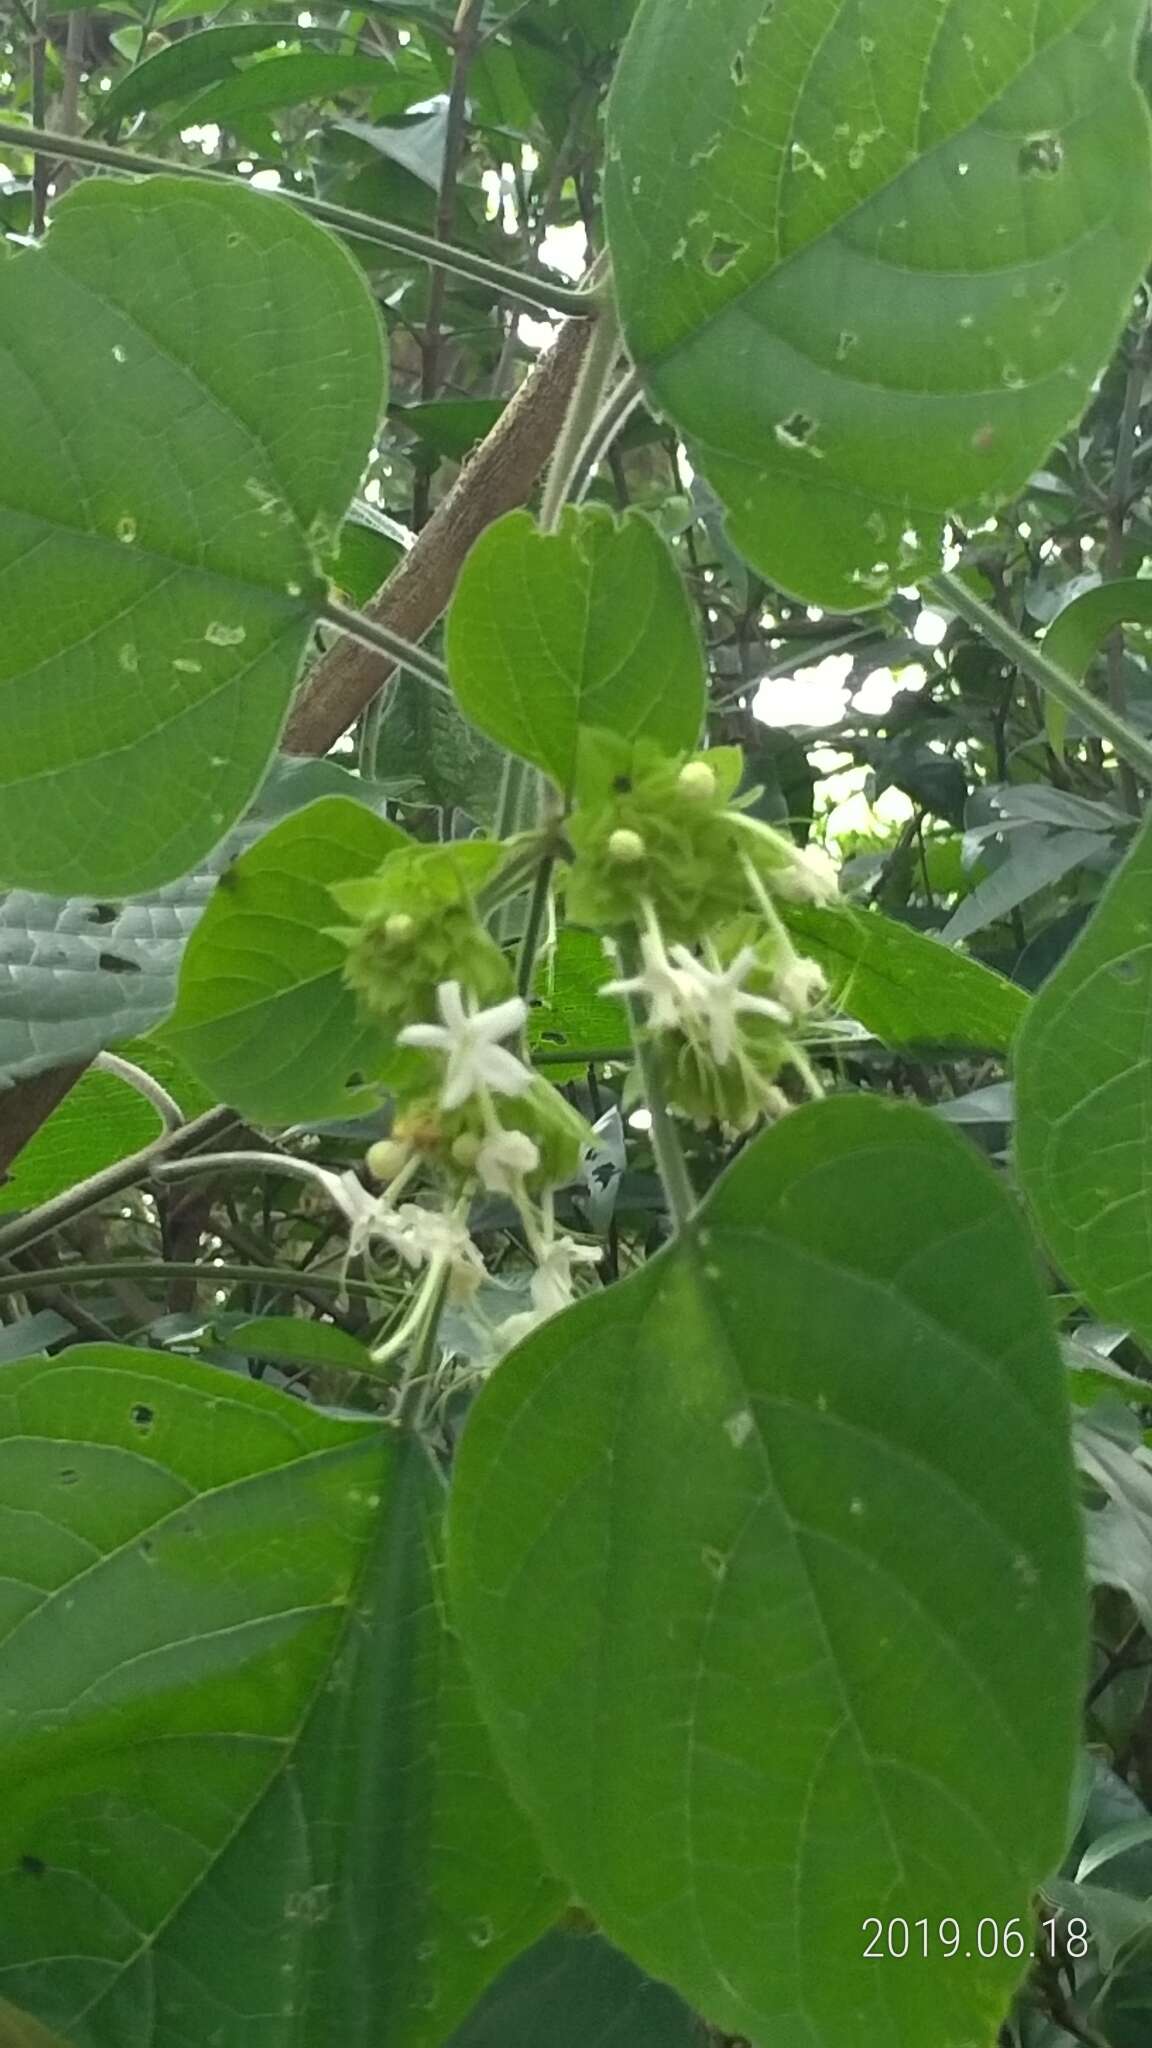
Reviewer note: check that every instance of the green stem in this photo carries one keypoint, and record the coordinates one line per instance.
(583, 412)
(536, 293)
(80, 1273)
(612, 417)
(1098, 717)
(412, 1402)
(669, 1153)
(404, 652)
(533, 929)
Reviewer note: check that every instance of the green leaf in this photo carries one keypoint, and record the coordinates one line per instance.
(295, 1340)
(569, 1015)
(450, 427)
(1077, 634)
(264, 1017)
(189, 381)
(245, 1792)
(904, 987)
(573, 1990)
(190, 62)
(868, 266)
(1084, 1102)
(588, 626)
(281, 81)
(713, 1543)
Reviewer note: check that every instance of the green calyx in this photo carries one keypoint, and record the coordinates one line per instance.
(416, 926)
(657, 833)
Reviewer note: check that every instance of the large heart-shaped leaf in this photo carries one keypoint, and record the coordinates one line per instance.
(549, 632)
(264, 1016)
(246, 1796)
(1084, 1102)
(756, 1559)
(190, 378)
(869, 263)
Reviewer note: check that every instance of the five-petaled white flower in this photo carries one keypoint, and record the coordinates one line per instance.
(685, 994)
(658, 981)
(469, 1041)
(718, 998)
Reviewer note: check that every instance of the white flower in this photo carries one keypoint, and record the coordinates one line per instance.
(551, 1283)
(809, 877)
(665, 989)
(800, 985)
(719, 1001)
(427, 1237)
(470, 1043)
(504, 1159)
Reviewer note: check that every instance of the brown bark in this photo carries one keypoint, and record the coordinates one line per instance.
(498, 477)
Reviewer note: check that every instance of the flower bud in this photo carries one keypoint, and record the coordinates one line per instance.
(385, 1159)
(626, 848)
(466, 1151)
(697, 780)
(399, 927)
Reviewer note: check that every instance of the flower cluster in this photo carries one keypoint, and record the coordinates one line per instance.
(664, 853)
(691, 895)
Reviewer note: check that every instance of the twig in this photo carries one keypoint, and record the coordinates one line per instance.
(466, 45)
(166, 1106)
(535, 292)
(380, 638)
(113, 1180)
(287, 1277)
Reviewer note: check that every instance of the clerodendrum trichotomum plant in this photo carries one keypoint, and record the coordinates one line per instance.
(576, 1025)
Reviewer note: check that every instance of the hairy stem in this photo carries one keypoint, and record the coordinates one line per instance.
(371, 633)
(583, 411)
(534, 292)
(286, 1277)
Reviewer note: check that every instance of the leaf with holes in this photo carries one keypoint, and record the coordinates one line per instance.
(1084, 1102)
(190, 378)
(264, 1017)
(231, 1700)
(871, 269)
(712, 1544)
(550, 632)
